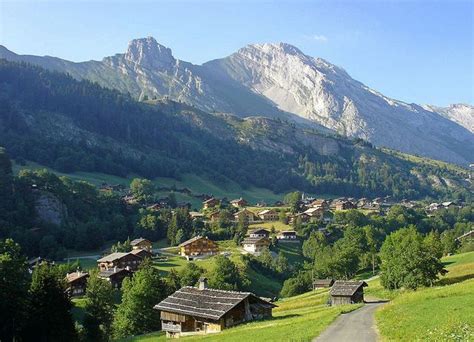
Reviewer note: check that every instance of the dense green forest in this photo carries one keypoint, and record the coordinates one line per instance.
(70, 125)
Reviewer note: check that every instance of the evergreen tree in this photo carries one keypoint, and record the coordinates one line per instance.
(13, 290)
(99, 308)
(135, 315)
(49, 313)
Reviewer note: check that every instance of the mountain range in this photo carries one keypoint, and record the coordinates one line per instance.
(279, 81)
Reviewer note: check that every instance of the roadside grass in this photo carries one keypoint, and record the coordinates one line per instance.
(439, 313)
(298, 318)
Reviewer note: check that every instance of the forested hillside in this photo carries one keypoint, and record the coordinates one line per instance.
(70, 125)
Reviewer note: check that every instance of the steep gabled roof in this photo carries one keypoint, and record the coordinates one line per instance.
(346, 288)
(253, 240)
(206, 303)
(137, 241)
(115, 256)
(187, 242)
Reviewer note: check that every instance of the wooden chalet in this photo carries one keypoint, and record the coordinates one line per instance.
(314, 213)
(239, 203)
(76, 283)
(120, 260)
(268, 215)
(142, 243)
(196, 215)
(202, 310)
(320, 203)
(258, 233)
(322, 283)
(214, 217)
(344, 205)
(289, 235)
(210, 203)
(198, 246)
(246, 214)
(347, 292)
(142, 253)
(115, 276)
(255, 245)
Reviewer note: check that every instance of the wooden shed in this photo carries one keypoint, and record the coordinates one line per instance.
(202, 310)
(322, 283)
(347, 292)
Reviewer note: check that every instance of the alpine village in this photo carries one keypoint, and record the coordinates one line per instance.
(262, 196)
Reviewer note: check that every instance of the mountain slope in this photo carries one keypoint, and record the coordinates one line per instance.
(274, 80)
(462, 114)
(59, 122)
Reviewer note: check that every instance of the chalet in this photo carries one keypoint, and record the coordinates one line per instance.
(142, 253)
(196, 215)
(32, 263)
(198, 246)
(239, 203)
(344, 205)
(76, 283)
(268, 215)
(155, 207)
(115, 276)
(210, 203)
(314, 212)
(129, 200)
(302, 216)
(288, 235)
(214, 216)
(120, 260)
(322, 283)
(347, 292)
(259, 233)
(449, 204)
(320, 203)
(255, 245)
(468, 237)
(434, 206)
(246, 214)
(202, 310)
(142, 243)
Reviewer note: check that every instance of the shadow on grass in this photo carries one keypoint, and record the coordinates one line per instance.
(282, 317)
(454, 280)
(166, 264)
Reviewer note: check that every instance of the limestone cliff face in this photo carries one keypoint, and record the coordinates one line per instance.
(49, 208)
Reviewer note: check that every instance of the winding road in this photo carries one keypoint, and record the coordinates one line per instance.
(355, 326)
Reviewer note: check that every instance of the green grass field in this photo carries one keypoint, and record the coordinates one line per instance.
(279, 226)
(443, 312)
(299, 318)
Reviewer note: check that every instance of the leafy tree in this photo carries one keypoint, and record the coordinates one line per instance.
(49, 313)
(124, 247)
(190, 274)
(292, 199)
(281, 263)
(448, 241)
(407, 262)
(99, 308)
(226, 275)
(13, 290)
(135, 315)
(142, 189)
(299, 284)
(432, 242)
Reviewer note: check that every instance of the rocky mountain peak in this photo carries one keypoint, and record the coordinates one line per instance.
(149, 53)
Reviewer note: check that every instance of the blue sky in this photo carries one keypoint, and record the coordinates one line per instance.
(415, 51)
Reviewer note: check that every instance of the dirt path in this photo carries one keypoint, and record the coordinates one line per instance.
(355, 326)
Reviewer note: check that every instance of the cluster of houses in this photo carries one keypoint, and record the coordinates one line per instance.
(114, 267)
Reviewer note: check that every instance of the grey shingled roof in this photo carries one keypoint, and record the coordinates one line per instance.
(137, 241)
(112, 257)
(111, 271)
(323, 282)
(207, 303)
(346, 288)
(187, 242)
(253, 240)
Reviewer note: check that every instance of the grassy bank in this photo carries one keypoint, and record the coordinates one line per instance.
(439, 313)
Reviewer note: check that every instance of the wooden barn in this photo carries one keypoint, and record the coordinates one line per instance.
(202, 310)
(347, 292)
(322, 283)
(142, 253)
(198, 246)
